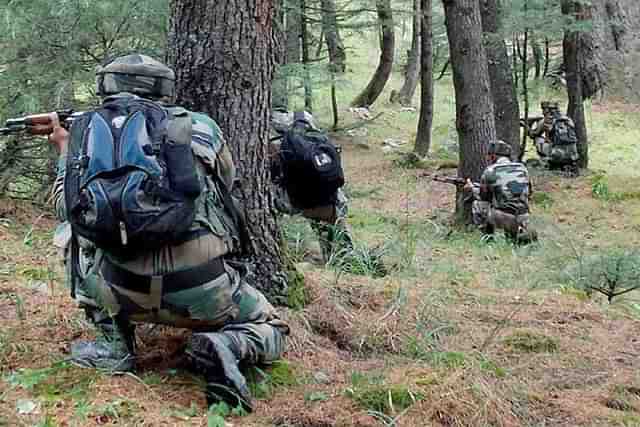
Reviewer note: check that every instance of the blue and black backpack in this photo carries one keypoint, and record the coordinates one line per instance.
(131, 181)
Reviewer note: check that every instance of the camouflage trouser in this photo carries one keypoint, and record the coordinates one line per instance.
(558, 156)
(224, 304)
(543, 147)
(487, 218)
(329, 222)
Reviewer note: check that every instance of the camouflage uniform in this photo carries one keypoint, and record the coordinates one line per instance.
(553, 156)
(502, 198)
(176, 285)
(329, 221)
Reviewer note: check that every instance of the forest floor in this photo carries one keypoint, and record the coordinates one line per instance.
(460, 332)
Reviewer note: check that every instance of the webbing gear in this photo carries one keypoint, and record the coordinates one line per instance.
(170, 282)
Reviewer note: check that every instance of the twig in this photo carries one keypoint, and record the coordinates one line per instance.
(359, 124)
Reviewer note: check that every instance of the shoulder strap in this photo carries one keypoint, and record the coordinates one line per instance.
(236, 215)
(75, 263)
(298, 116)
(180, 129)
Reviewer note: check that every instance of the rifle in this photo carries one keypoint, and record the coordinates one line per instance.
(455, 180)
(39, 124)
(530, 121)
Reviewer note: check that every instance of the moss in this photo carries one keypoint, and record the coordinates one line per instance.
(491, 367)
(384, 399)
(263, 383)
(282, 374)
(297, 293)
(530, 342)
(542, 199)
(448, 359)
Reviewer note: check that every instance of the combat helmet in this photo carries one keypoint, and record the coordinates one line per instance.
(550, 106)
(137, 74)
(500, 149)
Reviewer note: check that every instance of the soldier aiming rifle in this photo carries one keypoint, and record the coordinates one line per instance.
(501, 199)
(554, 136)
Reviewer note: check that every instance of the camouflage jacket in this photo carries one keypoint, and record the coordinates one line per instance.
(506, 185)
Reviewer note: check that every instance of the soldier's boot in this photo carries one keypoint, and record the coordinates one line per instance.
(112, 351)
(217, 357)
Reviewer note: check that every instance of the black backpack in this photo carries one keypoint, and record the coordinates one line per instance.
(562, 132)
(311, 166)
(131, 180)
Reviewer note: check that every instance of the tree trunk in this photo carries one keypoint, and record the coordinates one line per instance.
(503, 90)
(223, 56)
(547, 52)
(412, 72)
(475, 119)
(280, 87)
(592, 69)
(525, 84)
(514, 60)
(537, 56)
(306, 60)
(337, 54)
(293, 31)
(425, 123)
(616, 33)
(571, 48)
(387, 46)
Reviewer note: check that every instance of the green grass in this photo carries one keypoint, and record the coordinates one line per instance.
(264, 382)
(372, 393)
(55, 383)
(531, 342)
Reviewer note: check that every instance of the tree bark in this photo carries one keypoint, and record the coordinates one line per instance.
(547, 52)
(425, 122)
(475, 119)
(592, 70)
(503, 90)
(387, 46)
(280, 88)
(412, 72)
(337, 53)
(571, 48)
(525, 84)
(293, 30)
(537, 56)
(306, 59)
(616, 34)
(223, 56)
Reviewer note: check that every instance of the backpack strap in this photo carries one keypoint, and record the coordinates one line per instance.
(299, 116)
(236, 216)
(75, 263)
(180, 128)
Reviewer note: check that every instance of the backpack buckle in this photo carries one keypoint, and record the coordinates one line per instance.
(81, 162)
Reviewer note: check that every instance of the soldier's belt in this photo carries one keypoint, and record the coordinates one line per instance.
(171, 282)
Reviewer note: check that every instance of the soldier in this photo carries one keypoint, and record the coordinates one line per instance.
(328, 220)
(555, 138)
(188, 283)
(502, 196)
